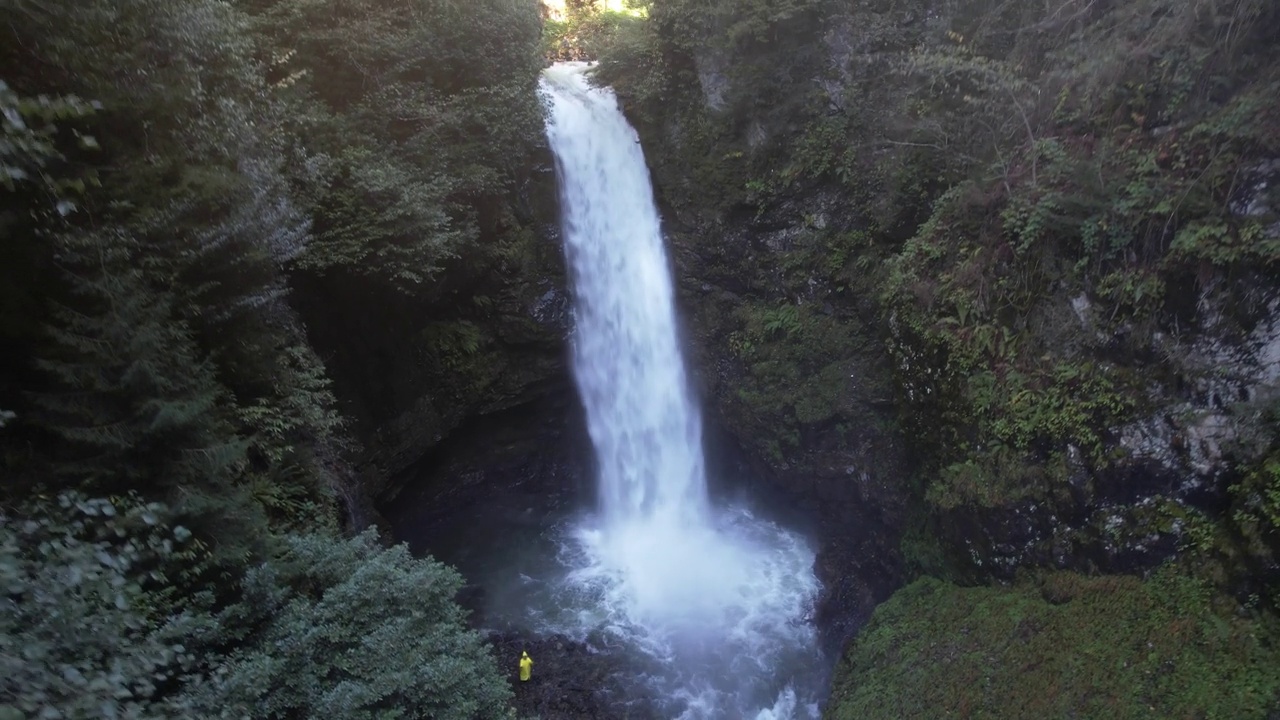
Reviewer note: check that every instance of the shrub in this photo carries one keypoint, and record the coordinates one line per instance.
(101, 615)
(348, 629)
(84, 630)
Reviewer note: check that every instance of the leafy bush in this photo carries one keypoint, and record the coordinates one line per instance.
(85, 630)
(412, 118)
(102, 617)
(353, 630)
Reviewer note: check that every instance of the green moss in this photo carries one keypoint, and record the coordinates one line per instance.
(797, 365)
(996, 477)
(1061, 646)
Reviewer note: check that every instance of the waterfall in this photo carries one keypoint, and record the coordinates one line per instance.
(627, 363)
(716, 597)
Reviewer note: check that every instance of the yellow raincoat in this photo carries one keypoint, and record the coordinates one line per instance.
(526, 666)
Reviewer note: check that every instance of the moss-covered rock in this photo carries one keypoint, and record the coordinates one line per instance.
(1063, 645)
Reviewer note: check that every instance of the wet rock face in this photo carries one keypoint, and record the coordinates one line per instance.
(1115, 522)
(859, 568)
(810, 403)
(571, 679)
(711, 76)
(518, 467)
(1176, 461)
(408, 370)
(1260, 195)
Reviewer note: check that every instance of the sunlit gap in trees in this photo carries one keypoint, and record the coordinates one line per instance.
(559, 9)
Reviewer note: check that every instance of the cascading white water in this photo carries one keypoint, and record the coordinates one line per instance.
(716, 597)
(646, 431)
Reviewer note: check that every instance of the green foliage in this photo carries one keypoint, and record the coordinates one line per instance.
(796, 375)
(354, 630)
(101, 619)
(407, 235)
(1062, 645)
(715, 78)
(1255, 507)
(586, 29)
(148, 350)
(789, 377)
(995, 477)
(135, 385)
(412, 118)
(463, 351)
(991, 397)
(86, 630)
(135, 401)
(28, 151)
(234, 142)
(739, 24)
(171, 363)
(1071, 404)
(1013, 430)
(1261, 498)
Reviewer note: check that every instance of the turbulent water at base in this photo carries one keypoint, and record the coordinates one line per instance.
(715, 599)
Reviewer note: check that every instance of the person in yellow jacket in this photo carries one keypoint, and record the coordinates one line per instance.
(526, 666)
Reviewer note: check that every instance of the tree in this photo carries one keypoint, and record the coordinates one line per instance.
(135, 400)
(351, 630)
(84, 629)
(414, 117)
(176, 365)
(99, 618)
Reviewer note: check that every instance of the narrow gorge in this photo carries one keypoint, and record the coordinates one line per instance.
(732, 358)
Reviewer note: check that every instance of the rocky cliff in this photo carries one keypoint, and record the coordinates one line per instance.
(989, 287)
(412, 368)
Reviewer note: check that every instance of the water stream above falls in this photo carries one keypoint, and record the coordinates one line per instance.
(709, 602)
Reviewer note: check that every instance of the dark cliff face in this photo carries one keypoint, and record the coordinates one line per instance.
(1172, 463)
(813, 395)
(410, 369)
(798, 375)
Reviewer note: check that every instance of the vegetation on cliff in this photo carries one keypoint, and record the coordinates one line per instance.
(1057, 220)
(580, 30)
(175, 463)
(1039, 204)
